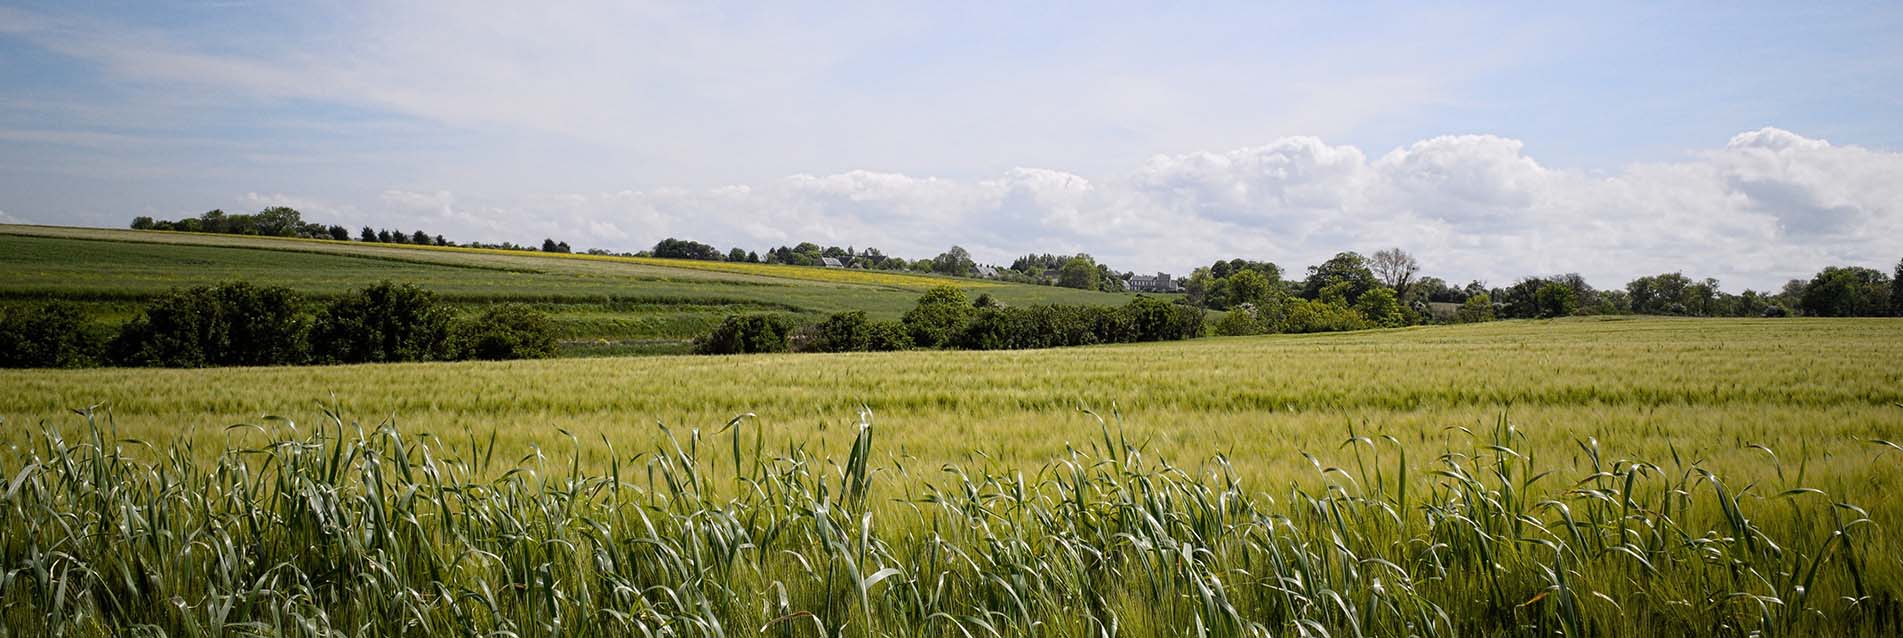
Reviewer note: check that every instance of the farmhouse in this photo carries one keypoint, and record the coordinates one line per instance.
(1160, 282)
(830, 262)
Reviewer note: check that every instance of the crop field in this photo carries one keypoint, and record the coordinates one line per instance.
(633, 305)
(1578, 477)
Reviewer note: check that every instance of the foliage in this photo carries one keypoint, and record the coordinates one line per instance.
(1476, 309)
(382, 323)
(235, 324)
(1346, 273)
(847, 331)
(1238, 322)
(1079, 272)
(672, 248)
(1847, 292)
(955, 262)
(1555, 300)
(886, 336)
(939, 317)
(1231, 283)
(1308, 315)
(48, 335)
(1396, 268)
(743, 334)
(505, 331)
(1380, 307)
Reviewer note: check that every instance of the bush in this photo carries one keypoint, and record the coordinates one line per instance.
(741, 334)
(385, 322)
(1152, 319)
(234, 324)
(1382, 308)
(508, 331)
(843, 332)
(53, 335)
(1308, 315)
(1238, 322)
(887, 336)
(939, 318)
(1475, 309)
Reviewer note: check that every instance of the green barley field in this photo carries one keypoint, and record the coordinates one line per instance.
(1583, 477)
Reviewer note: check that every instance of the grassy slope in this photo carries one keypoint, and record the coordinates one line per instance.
(609, 298)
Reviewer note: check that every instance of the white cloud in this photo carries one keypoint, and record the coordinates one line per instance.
(1770, 205)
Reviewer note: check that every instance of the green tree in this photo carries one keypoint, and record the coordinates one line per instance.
(1348, 270)
(1555, 300)
(1896, 290)
(737, 254)
(743, 334)
(235, 324)
(384, 322)
(939, 317)
(955, 262)
(1079, 272)
(1381, 307)
(339, 233)
(277, 221)
(847, 331)
(52, 335)
(1475, 309)
(1847, 292)
(1247, 287)
(369, 235)
(506, 331)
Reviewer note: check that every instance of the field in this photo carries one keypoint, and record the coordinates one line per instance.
(601, 304)
(1328, 484)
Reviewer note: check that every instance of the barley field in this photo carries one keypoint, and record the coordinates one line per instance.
(1585, 477)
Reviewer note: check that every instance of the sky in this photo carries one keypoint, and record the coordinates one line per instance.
(1750, 142)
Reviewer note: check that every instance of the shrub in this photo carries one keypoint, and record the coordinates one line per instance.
(1238, 322)
(1475, 309)
(507, 331)
(234, 324)
(939, 318)
(1152, 319)
(1381, 308)
(741, 334)
(886, 336)
(385, 322)
(843, 332)
(1308, 315)
(52, 335)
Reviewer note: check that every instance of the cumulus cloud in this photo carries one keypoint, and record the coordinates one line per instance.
(1768, 206)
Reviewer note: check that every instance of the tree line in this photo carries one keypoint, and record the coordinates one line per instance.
(946, 318)
(240, 324)
(1350, 291)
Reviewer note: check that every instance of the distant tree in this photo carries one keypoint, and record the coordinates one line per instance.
(886, 336)
(939, 316)
(1079, 272)
(230, 324)
(847, 331)
(1475, 309)
(1847, 292)
(753, 257)
(398, 236)
(1382, 308)
(369, 235)
(384, 236)
(278, 221)
(1896, 291)
(1350, 270)
(1395, 267)
(741, 334)
(1248, 287)
(142, 223)
(339, 233)
(440, 241)
(51, 335)
(548, 245)
(737, 254)
(1555, 299)
(1239, 321)
(672, 248)
(420, 238)
(955, 262)
(384, 322)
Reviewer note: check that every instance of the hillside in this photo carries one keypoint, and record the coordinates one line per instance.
(602, 304)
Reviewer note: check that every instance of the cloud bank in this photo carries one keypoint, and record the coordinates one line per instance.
(1768, 206)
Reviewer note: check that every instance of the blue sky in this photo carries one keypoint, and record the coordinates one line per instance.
(1750, 143)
